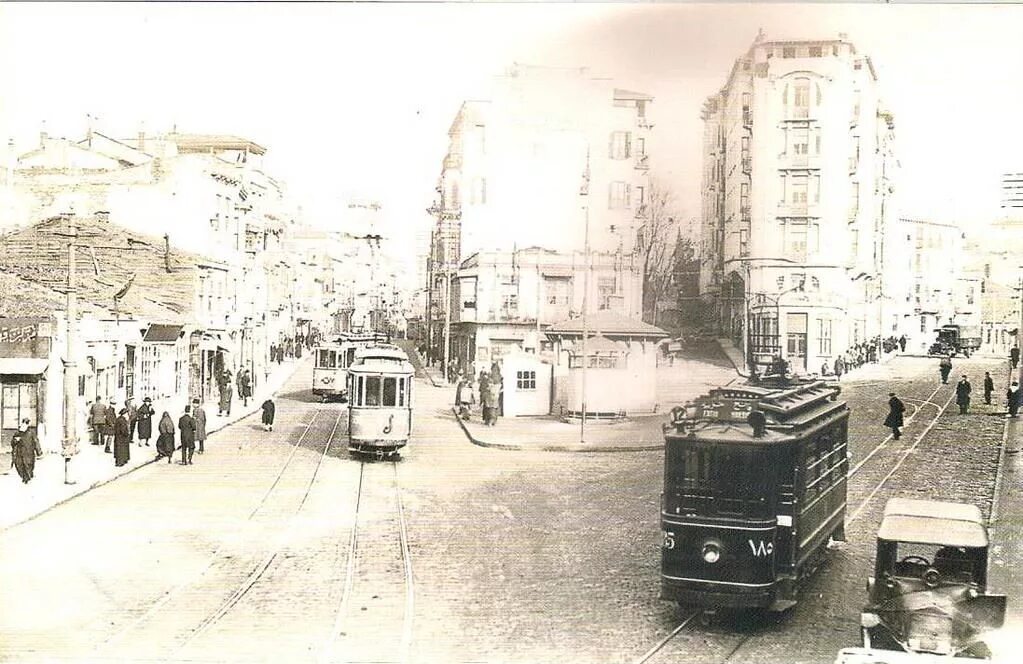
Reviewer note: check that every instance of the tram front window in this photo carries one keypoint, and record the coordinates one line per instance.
(372, 391)
(390, 391)
(721, 480)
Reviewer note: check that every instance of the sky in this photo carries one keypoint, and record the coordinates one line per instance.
(353, 101)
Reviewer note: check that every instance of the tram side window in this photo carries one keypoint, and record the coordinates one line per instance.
(349, 357)
(372, 397)
(390, 391)
(327, 359)
(401, 391)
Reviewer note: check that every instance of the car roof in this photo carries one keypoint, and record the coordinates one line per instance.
(933, 522)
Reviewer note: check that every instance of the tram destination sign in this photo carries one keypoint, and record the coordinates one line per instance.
(723, 409)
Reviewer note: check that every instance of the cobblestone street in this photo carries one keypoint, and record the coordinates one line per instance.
(516, 556)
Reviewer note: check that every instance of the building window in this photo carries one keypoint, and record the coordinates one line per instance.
(815, 52)
(798, 188)
(525, 380)
(640, 146)
(764, 334)
(510, 303)
(621, 144)
(743, 242)
(618, 198)
(639, 197)
(800, 141)
(780, 282)
(788, 52)
(557, 291)
(801, 98)
(923, 323)
(605, 292)
(795, 245)
(824, 336)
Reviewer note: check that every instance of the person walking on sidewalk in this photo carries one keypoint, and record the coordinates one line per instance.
(989, 387)
(97, 420)
(902, 343)
(244, 386)
(225, 394)
(186, 424)
(122, 438)
(200, 424)
(165, 441)
(895, 410)
(133, 417)
(269, 412)
(1012, 394)
(25, 450)
(108, 425)
(839, 367)
(963, 389)
(945, 368)
(145, 421)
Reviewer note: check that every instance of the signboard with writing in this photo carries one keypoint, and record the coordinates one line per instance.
(723, 409)
(25, 337)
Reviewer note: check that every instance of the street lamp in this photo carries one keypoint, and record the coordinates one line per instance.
(747, 351)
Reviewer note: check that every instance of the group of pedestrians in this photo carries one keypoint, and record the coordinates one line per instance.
(130, 422)
(863, 353)
(488, 391)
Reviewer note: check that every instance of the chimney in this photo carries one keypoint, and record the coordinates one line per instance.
(166, 252)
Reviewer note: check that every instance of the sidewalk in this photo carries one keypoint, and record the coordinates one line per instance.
(551, 434)
(92, 467)
(1006, 531)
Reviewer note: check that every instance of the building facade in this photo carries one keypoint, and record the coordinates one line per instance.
(798, 215)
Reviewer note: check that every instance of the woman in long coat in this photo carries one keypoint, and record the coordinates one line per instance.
(25, 449)
(895, 410)
(145, 420)
(122, 439)
(269, 412)
(165, 442)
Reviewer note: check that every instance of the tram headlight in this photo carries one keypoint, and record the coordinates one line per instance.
(711, 552)
(869, 620)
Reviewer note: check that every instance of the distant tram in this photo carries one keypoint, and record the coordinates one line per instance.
(331, 361)
(380, 381)
(746, 514)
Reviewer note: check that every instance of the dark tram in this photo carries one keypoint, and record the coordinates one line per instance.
(755, 480)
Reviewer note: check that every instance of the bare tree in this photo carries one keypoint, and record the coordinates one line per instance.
(659, 237)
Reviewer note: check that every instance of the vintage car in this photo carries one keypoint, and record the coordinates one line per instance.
(928, 594)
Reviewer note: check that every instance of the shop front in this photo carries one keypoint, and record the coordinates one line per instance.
(24, 358)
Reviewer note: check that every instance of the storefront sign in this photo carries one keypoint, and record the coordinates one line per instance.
(25, 337)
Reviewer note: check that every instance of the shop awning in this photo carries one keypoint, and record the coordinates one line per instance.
(31, 366)
(162, 334)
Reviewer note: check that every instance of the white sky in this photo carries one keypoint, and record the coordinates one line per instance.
(354, 100)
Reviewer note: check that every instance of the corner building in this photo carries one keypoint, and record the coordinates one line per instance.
(797, 204)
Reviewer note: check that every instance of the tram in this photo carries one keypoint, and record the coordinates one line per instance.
(331, 361)
(755, 481)
(380, 381)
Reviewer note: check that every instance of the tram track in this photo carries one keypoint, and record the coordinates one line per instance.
(223, 555)
(377, 581)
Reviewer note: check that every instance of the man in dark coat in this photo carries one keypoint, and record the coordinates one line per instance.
(945, 367)
(186, 424)
(133, 417)
(226, 391)
(902, 343)
(839, 367)
(25, 450)
(108, 425)
(200, 424)
(97, 420)
(1013, 396)
(122, 438)
(989, 387)
(895, 410)
(145, 421)
(1014, 356)
(269, 412)
(963, 389)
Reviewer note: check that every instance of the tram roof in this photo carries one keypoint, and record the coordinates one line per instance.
(933, 522)
(392, 365)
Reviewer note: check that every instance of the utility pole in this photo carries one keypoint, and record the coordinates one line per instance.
(586, 293)
(447, 320)
(70, 443)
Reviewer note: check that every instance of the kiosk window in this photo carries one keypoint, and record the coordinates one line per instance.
(372, 391)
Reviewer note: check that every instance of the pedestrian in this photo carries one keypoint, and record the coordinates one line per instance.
(824, 369)
(225, 395)
(895, 410)
(269, 411)
(122, 438)
(25, 450)
(492, 402)
(200, 424)
(839, 367)
(97, 420)
(963, 389)
(1012, 394)
(989, 387)
(902, 343)
(186, 425)
(1014, 356)
(109, 422)
(165, 442)
(244, 386)
(133, 417)
(945, 368)
(145, 421)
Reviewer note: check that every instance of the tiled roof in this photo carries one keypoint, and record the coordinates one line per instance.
(207, 142)
(23, 298)
(607, 323)
(39, 254)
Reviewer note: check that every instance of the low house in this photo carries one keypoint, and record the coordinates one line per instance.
(620, 365)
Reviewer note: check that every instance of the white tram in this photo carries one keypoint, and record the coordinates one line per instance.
(331, 362)
(380, 400)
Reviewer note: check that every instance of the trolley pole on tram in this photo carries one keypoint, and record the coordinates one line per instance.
(586, 292)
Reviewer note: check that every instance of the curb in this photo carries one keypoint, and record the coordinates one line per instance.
(107, 480)
(552, 448)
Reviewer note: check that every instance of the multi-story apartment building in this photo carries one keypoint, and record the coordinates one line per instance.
(506, 300)
(994, 255)
(518, 164)
(798, 220)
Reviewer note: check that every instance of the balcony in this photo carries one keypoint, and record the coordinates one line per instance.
(800, 161)
(798, 210)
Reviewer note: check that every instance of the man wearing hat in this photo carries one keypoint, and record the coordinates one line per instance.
(895, 410)
(97, 419)
(199, 415)
(108, 425)
(963, 389)
(145, 421)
